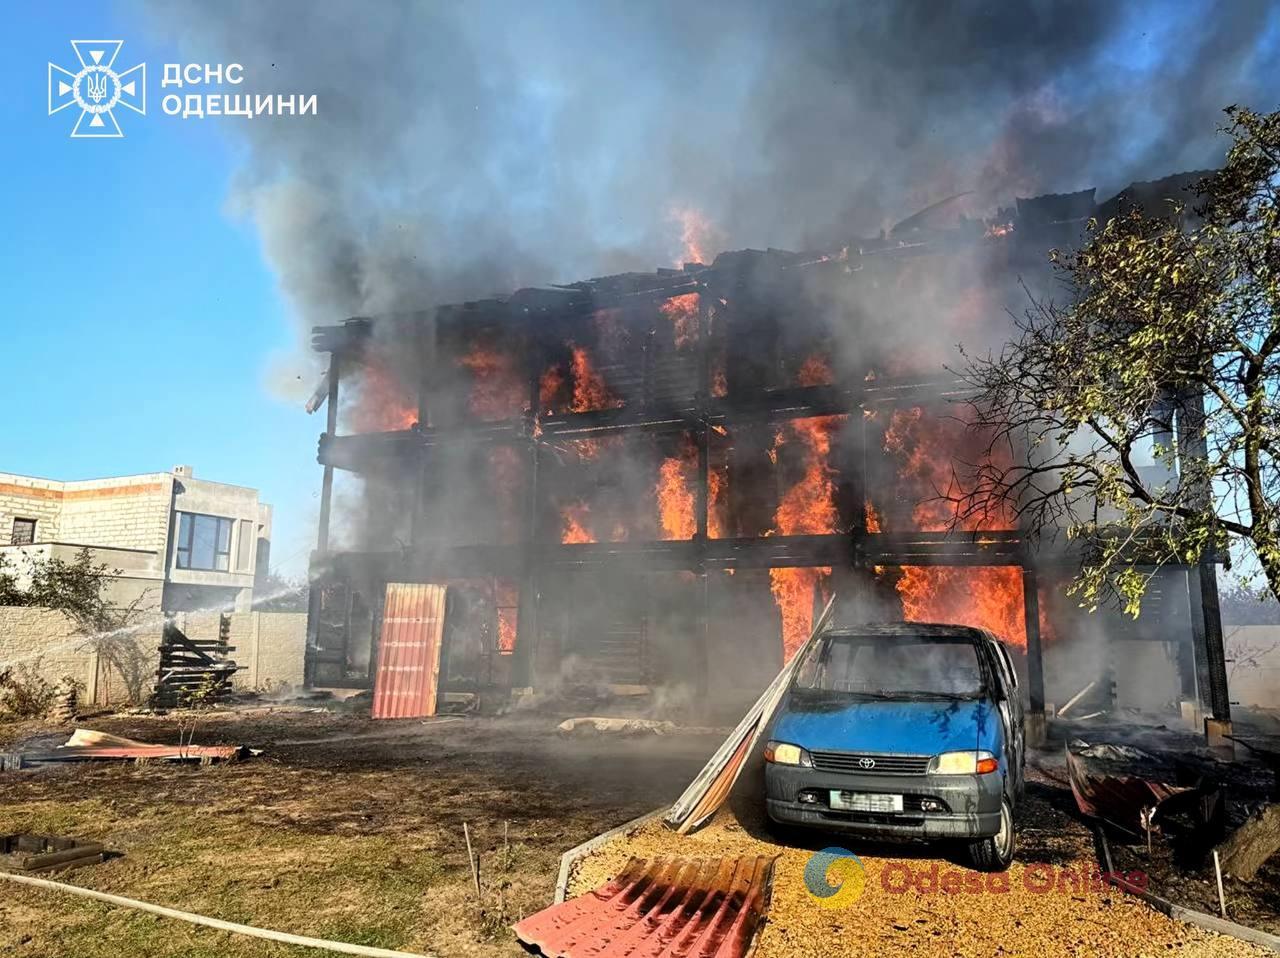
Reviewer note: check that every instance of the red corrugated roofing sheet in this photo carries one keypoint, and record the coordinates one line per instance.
(685, 908)
(409, 651)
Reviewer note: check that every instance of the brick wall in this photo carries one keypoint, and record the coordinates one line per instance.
(130, 513)
(39, 499)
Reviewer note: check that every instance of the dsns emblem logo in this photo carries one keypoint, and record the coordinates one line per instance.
(835, 877)
(97, 89)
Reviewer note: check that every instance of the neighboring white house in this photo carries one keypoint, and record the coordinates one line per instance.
(181, 543)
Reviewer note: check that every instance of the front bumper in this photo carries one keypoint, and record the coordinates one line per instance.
(972, 803)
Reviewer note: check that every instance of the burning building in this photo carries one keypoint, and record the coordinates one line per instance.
(652, 479)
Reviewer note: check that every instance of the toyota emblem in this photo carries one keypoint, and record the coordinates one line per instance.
(867, 763)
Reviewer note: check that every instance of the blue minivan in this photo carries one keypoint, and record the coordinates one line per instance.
(902, 730)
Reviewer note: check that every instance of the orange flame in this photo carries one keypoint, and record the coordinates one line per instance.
(383, 402)
(793, 591)
(549, 386)
(573, 524)
(506, 597)
(814, 371)
(674, 492)
(589, 389)
(987, 597)
(695, 235)
(496, 389)
(716, 490)
(683, 313)
(926, 448)
(807, 508)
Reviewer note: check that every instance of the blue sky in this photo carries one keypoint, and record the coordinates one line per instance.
(139, 315)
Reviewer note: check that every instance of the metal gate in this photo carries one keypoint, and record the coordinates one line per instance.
(409, 651)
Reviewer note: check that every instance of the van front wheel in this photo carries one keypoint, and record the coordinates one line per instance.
(995, 854)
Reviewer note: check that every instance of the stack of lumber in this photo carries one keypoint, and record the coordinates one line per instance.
(194, 671)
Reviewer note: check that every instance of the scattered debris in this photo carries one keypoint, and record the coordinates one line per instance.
(1129, 788)
(695, 907)
(628, 726)
(87, 745)
(712, 785)
(49, 853)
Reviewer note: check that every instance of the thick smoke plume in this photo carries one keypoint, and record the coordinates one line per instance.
(466, 149)
(463, 149)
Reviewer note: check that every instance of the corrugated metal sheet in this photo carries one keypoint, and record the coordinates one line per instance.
(711, 908)
(409, 651)
(1113, 793)
(87, 745)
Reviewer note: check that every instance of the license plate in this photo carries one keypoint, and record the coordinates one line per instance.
(865, 802)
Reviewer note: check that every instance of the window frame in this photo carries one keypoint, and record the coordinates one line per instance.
(184, 555)
(25, 522)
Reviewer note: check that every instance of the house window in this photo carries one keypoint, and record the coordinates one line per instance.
(24, 532)
(204, 542)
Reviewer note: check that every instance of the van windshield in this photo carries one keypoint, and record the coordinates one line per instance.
(892, 667)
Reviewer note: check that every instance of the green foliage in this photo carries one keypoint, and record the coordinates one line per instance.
(75, 588)
(1169, 345)
(25, 693)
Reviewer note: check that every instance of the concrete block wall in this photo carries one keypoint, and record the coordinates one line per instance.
(270, 645)
(45, 641)
(1255, 682)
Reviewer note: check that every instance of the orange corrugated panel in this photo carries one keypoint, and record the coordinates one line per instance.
(679, 907)
(409, 651)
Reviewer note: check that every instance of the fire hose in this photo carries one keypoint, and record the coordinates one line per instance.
(340, 947)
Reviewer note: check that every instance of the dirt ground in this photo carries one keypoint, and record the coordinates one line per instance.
(355, 836)
(350, 829)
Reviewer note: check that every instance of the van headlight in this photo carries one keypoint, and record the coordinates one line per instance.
(963, 763)
(784, 753)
